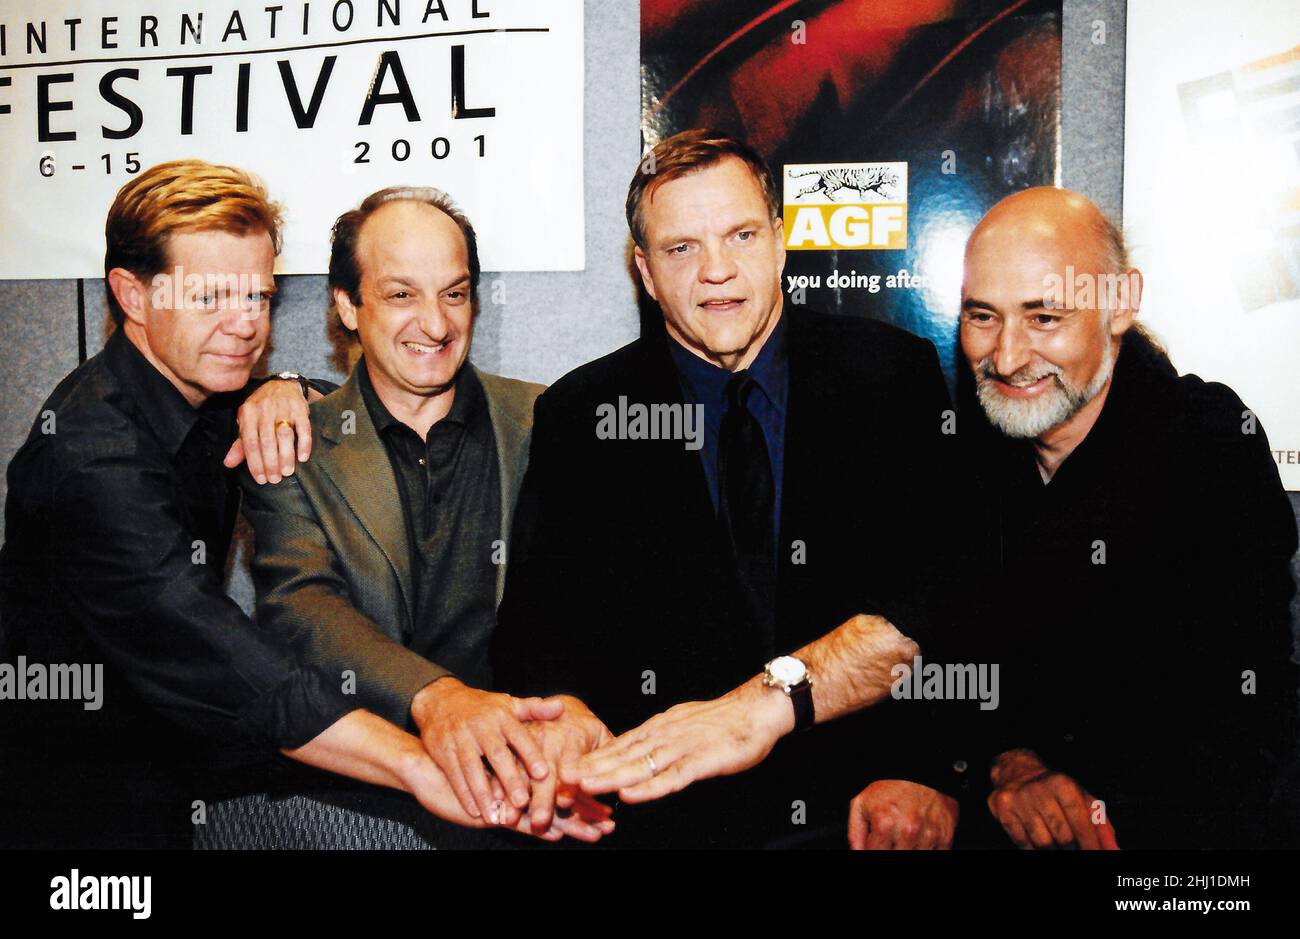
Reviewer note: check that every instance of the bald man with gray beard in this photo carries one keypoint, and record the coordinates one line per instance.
(1133, 574)
(1143, 540)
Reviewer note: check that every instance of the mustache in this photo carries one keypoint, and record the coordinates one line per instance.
(1035, 371)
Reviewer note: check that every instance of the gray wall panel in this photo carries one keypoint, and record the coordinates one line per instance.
(38, 346)
(550, 322)
(1092, 91)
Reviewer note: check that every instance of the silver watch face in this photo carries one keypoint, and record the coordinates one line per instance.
(786, 670)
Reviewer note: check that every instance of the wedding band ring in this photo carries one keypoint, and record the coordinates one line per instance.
(284, 423)
(650, 760)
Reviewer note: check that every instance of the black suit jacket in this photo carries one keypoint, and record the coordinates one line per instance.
(116, 531)
(615, 590)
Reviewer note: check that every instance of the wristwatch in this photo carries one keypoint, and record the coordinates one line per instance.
(791, 676)
(302, 382)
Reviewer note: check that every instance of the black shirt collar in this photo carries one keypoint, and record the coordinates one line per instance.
(467, 406)
(164, 408)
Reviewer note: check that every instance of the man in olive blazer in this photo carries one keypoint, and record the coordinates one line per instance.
(333, 561)
(382, 560)
(333, 573)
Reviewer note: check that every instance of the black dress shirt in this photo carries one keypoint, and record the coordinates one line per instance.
(705, 383)
(451, 501)
(117, 526)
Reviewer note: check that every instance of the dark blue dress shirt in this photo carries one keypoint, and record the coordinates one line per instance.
(705, 383)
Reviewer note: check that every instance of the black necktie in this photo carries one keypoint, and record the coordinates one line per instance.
(746, 496)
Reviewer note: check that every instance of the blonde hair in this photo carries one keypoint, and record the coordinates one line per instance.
(182, 195)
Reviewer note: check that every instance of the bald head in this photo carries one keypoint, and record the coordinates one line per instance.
(1045, 299)
(1046, 212)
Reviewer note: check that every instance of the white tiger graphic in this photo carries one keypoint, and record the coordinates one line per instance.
(862, 181)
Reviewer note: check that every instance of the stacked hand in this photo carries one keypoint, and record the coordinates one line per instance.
(550, 757)
(524, 741)
(687, 743)
(564, 740)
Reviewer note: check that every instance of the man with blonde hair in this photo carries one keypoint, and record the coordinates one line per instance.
(120, 652)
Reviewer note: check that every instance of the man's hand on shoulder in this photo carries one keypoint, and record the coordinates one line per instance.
(894, 814)
(274, 431)
(1039, 808)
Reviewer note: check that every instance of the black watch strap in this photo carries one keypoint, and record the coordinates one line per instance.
(302, 381)
(802, 698)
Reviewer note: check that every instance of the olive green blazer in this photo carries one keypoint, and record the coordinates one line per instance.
(332, 566)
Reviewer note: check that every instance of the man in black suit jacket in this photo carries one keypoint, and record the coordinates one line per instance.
(743, 481)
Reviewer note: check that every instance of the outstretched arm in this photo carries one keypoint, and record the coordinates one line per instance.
(367, 747)
(304, 595)
(850, 668)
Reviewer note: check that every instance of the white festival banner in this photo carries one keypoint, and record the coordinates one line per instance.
(325, 100)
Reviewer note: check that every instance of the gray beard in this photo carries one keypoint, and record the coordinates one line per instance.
(1035, 417)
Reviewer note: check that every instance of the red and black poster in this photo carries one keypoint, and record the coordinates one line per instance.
(891, 127)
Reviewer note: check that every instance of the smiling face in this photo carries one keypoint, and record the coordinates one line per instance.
(203, 322)
(713, 260)
(415, 319)
(1036, 365)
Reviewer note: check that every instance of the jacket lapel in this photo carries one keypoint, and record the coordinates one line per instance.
(806, 409)
(357, 463)
(512, 440)
(817, 416)
(674, 474)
